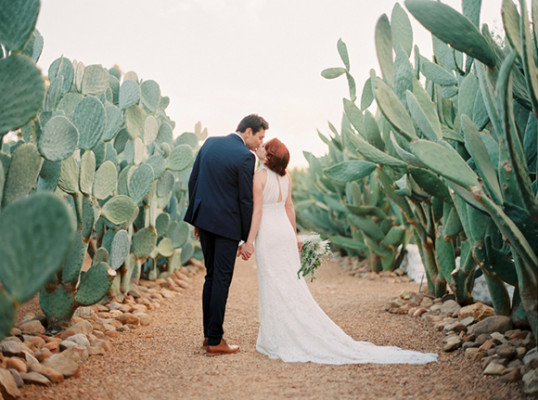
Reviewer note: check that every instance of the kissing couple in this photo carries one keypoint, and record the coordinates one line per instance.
(230, 203)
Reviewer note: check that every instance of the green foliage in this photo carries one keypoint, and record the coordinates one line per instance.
(456, 159)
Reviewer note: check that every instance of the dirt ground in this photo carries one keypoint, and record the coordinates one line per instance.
(165, 361)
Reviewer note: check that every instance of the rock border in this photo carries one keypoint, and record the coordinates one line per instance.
(29, 357)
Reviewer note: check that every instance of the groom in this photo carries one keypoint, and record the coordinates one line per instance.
(220, 208)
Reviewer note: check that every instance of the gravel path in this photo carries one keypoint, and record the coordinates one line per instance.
(165, 361)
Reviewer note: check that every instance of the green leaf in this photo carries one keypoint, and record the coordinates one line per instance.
(62, 68)
(180, 158)
(437, 74)
(367, 96)
(87, 172)
(510, 17)
(59, 139)
(22, 173)
(140, 182)
(22, 90)
(94, 284)
(371, 153)
(134, 120)
(349, 170)
(452, 28)
(475, 146)
(144, 242)
(69, 173)
(383, 46)
(150, 94)
(119, 250)
(7, 314)
(424, 113)
(331, 73)
(119, 209)
(106, 179)
(36, 234)
(151, 130)
(90, 119)
(342, 50)
(445, 161)
(129, 94)
(114, 121)
(94, 81)
(402, 32)
(394, 110)
(17, 22)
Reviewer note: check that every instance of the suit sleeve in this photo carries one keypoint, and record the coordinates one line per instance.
(246, 176)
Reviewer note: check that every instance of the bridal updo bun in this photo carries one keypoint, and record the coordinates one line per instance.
(277, 157)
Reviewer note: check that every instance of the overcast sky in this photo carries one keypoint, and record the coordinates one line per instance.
(219, 60)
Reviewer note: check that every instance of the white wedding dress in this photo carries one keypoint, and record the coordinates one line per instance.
(293, 327)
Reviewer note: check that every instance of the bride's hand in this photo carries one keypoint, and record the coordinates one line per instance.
(299, 244)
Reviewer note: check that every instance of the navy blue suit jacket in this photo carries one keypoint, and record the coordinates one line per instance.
(220, 188)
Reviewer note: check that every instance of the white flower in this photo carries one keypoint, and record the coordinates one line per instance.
(311, 256)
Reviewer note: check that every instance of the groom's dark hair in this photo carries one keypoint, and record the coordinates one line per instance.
(253, 121)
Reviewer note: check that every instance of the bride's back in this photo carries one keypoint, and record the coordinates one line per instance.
(276, 187)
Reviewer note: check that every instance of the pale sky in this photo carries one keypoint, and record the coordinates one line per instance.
(219, 60)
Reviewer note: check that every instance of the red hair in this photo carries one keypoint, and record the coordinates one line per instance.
(277, 156)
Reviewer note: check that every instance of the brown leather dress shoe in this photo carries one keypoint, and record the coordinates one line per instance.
(221, 348)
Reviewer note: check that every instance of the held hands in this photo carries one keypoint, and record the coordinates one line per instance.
(245, 250)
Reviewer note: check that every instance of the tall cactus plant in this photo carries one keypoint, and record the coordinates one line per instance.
(457, 156)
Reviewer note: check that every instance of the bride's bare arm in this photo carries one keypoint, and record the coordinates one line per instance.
(260, 178)
(290, 211)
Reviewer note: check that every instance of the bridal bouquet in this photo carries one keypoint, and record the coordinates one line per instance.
(311, 256)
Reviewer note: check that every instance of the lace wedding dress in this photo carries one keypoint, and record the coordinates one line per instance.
(293, 327)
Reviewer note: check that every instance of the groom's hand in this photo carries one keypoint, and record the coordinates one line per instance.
(247, 250)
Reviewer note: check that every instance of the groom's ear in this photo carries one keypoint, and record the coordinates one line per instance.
(248, 132)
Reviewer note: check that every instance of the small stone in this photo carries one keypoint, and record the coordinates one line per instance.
(11, 348)
(77, 353)
(487, 345)
(17, 376)
(62, 364)
(34, 342)
(505, 351)
(471, 352)
(482, 338)
(84, 312)
(80, 339)
(478, 311)
(496, 323)
(84, 327)
(469, 345)
(50, 373)
(43, 354)
(455, 327)
(520, 352)
(112, 334)
(452, 343)
(8, 385)
(529, 341)
(499, 336)
(34, 378)
(144, 318)
(469, 337)
(494, 369)
(16, 364)
(517, 334)
(419, 311)
(67, 344)
(129, 318)
(436, 307)
(530, 382)
(426, 302)
(115, 313)
(531, 359)
(450, 307)
(511, 375)
(32, 327)
(53, 347)
(467, 320)
(515, 363)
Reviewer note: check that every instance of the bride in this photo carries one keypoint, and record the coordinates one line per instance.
(293, 327)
